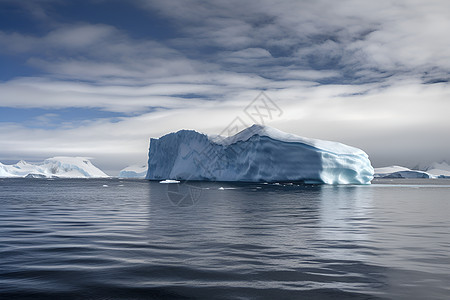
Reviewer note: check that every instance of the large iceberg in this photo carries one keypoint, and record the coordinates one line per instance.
(55, 167)
(256, 154)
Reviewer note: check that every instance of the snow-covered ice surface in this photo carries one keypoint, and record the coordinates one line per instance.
(134, 171)
(55, 167)
(381, 172)
(256, 154)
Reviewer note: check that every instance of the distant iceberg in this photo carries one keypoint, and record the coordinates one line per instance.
(55, 167)
(256, 154)
(435, 170)
(407, 174)
(399, 172)
(134, 171)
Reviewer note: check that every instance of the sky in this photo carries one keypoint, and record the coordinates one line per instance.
(99, 78)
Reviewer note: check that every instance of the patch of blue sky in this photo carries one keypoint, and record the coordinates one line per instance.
(138, 23)
(14, 66)
(13, 18)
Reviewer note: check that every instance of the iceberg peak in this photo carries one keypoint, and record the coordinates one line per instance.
(278, 135)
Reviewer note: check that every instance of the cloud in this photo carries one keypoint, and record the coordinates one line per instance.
(168, 93)
(361, 40)
(36, 9)
(251, 53)
(381, 36)
(96, 52)
(45, 119)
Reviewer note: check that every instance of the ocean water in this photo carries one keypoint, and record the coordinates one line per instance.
(135, 239)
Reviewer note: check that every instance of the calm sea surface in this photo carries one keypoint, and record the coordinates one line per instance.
(134, 239)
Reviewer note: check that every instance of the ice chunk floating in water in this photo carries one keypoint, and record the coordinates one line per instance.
(256, 154)
(169, 181)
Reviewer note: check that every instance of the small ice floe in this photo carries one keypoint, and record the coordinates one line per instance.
(169, 181)
(227, 188)
(105, 185)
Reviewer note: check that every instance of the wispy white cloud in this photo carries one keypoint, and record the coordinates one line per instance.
(97, 52)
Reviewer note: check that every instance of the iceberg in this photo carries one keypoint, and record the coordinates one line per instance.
(134, 171)
(55, 167)
(256, 154)
(400, 172)
(409, 174)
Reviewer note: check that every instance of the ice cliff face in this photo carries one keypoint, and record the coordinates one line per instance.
(55, 167)
(256, 154)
